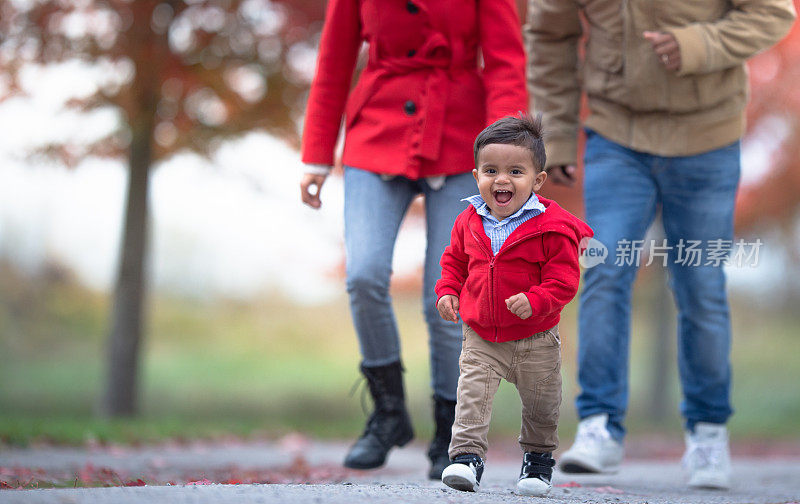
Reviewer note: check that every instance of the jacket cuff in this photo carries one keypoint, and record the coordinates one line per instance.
(537, 303)
(317, 169)
(692, 46)
(561, 151)
(444, 291)
(316, 154)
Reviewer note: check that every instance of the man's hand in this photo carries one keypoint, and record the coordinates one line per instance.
(562, 174)
(666, 48)
(448, 307)
(519, 305)
(311, 198)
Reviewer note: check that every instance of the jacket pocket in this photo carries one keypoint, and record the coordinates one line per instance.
(475, 295)
(604, 56)
(604, 68)
(511, 283)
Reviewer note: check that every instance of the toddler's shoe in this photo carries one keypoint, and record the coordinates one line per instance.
(594, 450)
(707, 456)
(537, 470)
(464, 473)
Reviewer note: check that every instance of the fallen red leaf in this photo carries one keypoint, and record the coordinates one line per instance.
(570, 484)
(86, 472)
(608, 489)
(201, 482)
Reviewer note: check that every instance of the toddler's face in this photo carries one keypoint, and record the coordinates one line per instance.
(506, 177)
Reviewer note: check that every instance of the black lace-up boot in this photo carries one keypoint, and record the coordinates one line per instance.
(389, 425)
(444, 414)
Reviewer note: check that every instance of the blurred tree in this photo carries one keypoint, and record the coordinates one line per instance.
(774, 113)
(192, 72)
(772, 201)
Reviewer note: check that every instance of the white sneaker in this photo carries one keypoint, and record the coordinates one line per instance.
(594, 450)
(464, 473)
(707, 456)
(535, 487)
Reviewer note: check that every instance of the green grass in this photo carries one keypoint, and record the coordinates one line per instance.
(267, 367)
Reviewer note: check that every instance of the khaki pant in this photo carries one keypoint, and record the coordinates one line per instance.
(532, 364)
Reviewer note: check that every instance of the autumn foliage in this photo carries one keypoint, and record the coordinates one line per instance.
(192, 73)
(774, 112)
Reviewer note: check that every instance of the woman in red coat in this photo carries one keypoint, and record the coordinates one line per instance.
(438, 73)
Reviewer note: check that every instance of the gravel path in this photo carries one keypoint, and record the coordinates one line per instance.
(652, 481)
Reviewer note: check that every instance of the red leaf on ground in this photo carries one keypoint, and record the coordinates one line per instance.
(570, 484)
(86, 473)
(138, 482)
(200, 482)
(608, 489)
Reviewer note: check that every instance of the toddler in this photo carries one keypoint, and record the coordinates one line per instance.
(510, 267)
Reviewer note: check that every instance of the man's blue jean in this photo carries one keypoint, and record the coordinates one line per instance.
(622, 190)
(373, 211)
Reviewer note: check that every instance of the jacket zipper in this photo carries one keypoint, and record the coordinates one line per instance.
(492, 296)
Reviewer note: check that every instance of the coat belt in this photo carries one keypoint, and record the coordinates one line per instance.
(434, 58)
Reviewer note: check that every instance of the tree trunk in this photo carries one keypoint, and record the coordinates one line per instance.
(120, 397)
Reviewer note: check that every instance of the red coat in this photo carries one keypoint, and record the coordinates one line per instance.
(422, 98)
(540, 258)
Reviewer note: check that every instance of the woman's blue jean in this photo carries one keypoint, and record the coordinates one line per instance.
(622, 190)
(373, 211)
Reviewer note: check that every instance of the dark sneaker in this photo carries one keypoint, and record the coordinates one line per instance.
(537, 470)
(464, 473)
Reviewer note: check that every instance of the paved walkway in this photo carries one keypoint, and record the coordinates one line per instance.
(402, 480)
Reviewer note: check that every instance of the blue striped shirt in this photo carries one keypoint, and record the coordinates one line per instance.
(499, 231)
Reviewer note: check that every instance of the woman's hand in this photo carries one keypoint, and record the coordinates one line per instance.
(311, 198)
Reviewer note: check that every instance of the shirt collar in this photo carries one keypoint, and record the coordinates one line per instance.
(482, 209)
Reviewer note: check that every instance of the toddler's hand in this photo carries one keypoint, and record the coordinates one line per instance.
(448, 307)
(519, 305)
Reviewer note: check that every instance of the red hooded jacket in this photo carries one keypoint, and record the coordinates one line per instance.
(540, 258)
(423, 97)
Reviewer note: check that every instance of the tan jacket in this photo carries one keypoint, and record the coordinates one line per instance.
(633, 99)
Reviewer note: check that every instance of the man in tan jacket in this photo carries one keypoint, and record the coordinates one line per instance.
(667, 87)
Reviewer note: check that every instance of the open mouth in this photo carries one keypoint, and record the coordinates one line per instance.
(503, 197)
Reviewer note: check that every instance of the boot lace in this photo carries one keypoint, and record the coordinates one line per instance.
(361, 382)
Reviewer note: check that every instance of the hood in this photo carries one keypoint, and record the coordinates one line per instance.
(557, 219)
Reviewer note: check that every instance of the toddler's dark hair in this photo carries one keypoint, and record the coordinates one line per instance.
(523, 130)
